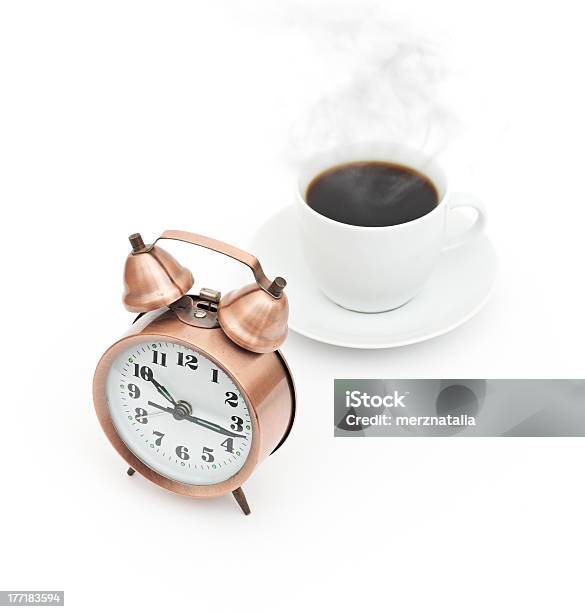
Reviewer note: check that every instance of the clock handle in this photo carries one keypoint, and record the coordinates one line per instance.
(274, 288)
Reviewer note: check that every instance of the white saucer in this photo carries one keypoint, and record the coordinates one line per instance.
(460, 285)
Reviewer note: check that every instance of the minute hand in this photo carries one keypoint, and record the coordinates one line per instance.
(196, 420)
(212, 426)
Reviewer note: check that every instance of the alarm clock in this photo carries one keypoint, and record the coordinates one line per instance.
(196, 394)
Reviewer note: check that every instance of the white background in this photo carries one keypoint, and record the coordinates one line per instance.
(123, 116)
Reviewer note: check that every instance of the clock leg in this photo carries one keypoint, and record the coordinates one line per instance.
(130, 471)
(242, 501)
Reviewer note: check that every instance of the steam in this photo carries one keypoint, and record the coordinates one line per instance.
(390, 85)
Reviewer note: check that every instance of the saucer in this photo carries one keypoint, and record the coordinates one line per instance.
(460, 285)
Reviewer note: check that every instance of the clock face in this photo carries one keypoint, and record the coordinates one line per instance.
(179, 412)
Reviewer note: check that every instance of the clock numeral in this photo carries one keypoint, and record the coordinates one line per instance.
(162, 357)
(141, 415)
(189, 361)
(182, 452)
(159, 436)
(238, 424)
(231, 399)
(228, 444)
(206, 454)
(143, 372)
(133, 391)
(214, 375)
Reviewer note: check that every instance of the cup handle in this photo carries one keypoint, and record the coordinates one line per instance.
(459, 200)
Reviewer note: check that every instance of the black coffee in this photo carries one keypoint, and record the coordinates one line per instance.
(372, 194)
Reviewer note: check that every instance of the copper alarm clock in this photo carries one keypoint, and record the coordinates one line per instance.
(196, 393)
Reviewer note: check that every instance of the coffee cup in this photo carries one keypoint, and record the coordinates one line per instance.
(375, 268)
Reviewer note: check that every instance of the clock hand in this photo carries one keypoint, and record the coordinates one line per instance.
(163, 408)
(193, 419)
(212, 426)
(153, 414)
(163, 391)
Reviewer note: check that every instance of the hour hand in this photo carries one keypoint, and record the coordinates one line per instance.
(163, 391)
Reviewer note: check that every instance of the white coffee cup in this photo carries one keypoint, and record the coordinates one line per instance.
(374, 269)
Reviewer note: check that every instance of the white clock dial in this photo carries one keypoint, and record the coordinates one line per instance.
(179, 412)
